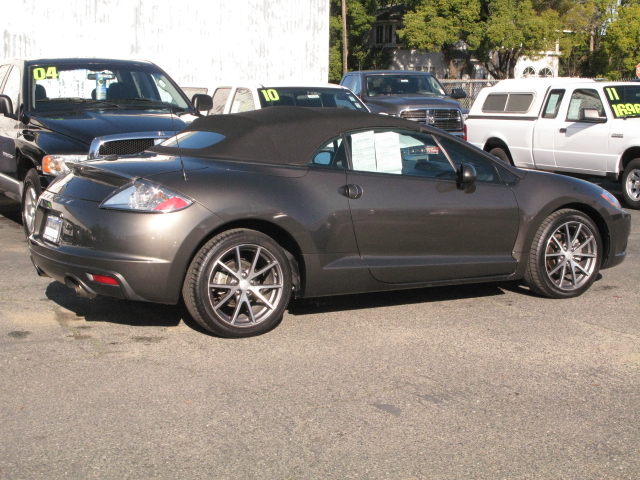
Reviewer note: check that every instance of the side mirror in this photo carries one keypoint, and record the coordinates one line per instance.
(6, 107)
(468, 175)
(458, 93)
(202, 102)
(322, 158)
(592, 115)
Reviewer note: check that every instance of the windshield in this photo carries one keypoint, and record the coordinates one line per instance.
(403, 85)
(64, 86)
(624, 100)
(309, 97)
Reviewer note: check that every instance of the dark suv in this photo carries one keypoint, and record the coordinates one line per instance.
(53, 111)
(417, 96)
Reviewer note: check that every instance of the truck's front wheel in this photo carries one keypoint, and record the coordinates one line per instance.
(631, 184)
(31, 191)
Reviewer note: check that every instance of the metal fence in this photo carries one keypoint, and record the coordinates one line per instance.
(472, 87)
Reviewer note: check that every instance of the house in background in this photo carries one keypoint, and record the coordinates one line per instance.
(384, 35)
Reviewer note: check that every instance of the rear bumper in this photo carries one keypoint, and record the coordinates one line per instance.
(78, 272)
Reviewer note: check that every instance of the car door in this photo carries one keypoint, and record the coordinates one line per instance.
(413, 220)
(545, 129)
(9, 128)
(581, 144)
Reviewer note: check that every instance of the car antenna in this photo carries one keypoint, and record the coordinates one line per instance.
(184, 172)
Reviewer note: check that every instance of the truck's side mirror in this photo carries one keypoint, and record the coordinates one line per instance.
(6, 107)
(458, 93)
(592, 115)
(202, 102)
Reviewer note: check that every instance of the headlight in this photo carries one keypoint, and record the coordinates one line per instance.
(143, 196)
(56, 164)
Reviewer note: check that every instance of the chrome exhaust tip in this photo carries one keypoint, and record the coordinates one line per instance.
(79, 288)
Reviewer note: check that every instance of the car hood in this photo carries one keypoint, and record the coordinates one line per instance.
(84, 126)
(413, 101)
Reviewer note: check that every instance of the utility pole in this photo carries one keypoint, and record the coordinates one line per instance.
(345, 50)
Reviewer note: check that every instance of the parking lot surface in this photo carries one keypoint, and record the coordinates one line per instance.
(468, 382)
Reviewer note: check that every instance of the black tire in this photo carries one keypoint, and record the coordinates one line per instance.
(565, 255)
(501, 154)
(30, 193)
(631, 184)
(238, 284)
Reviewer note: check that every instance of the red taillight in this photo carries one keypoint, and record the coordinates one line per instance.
(174, 203)
(104, 279)
(464, 132)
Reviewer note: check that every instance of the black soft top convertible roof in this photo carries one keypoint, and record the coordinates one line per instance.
(283, 135)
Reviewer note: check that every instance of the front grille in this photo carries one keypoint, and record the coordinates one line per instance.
(125, 147)
(444, 119)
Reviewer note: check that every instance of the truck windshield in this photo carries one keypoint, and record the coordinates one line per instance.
(309, 97)
(624, 100)
(57, 87)
(403, 85)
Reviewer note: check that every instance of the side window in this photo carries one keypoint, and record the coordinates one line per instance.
(399, 153)
(220, 97)
(3, 72)
(331, 155)
(553, 104)
(242, 101)
(581, 100)
(460, 153)
(12, 88)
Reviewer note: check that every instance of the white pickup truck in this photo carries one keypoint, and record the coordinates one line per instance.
(566, 125)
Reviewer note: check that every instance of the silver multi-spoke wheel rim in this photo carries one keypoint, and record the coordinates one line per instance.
(571, 255)
(29, 208)
(245, 285)
(633, 184)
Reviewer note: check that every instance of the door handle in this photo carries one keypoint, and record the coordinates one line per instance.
(353, 191)
(563, 130)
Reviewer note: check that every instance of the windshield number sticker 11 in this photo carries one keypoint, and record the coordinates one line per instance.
(42, 73)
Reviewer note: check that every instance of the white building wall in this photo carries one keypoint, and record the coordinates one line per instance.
(196, 42)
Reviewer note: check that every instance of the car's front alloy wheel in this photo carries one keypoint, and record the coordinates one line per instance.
(565, 255)
(238, 284)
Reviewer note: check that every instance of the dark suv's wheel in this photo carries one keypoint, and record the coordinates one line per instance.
(238, 284)
(631, 184)
(31, 191)
(565, 255)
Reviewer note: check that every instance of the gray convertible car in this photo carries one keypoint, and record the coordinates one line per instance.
(239, 213)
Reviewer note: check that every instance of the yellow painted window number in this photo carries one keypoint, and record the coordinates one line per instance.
(42, 73)
(271, 95)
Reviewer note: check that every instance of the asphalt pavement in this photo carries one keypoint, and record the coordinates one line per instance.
(466, 382)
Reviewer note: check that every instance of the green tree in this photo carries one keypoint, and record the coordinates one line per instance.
(360, 18)
(622, 42)
(440, 25)
(515, 29)
(585, 25)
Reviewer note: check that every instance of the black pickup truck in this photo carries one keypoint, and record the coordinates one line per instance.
(417, 96)
(54, 111)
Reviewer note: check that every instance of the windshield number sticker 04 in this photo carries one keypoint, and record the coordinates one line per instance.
(42, 73)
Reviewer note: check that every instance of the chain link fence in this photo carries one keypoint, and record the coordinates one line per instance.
(472, 87)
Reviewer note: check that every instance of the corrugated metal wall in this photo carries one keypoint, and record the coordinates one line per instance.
(197, 42)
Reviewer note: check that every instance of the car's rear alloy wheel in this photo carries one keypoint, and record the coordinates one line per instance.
(631, 184)
(31, 191)
(239, 284)
(565, 255)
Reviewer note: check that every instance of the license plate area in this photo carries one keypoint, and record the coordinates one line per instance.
(52, 229)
